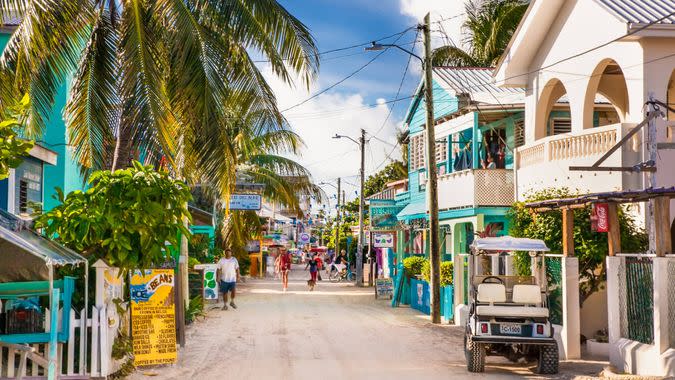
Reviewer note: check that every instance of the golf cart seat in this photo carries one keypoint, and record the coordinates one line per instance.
(525, 301)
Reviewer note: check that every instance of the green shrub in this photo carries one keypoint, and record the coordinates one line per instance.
(413, 265)
(446, 272)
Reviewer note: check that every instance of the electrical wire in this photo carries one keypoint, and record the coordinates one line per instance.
(347, 47)
(345, 78)
(400, 85)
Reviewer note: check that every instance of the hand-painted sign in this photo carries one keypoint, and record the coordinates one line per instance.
(245, 202)
(304, 238)
(210, 284)
(383, 215)
(383, 240)
(384, 288)
(153, 322)
(599, 217)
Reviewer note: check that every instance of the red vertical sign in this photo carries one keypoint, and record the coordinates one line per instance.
(599, 217)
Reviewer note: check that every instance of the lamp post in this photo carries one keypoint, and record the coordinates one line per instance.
(337, 216)
(432, 185)
(359, 250)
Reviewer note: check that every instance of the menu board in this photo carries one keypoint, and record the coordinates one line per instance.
(153, 318)
(384, 288)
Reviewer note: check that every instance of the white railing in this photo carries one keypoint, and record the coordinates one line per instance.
(477, 187)
(569, 146)
(98, 348)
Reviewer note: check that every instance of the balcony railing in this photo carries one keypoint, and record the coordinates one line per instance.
(591, 142)
(475, 188)
(545, 163)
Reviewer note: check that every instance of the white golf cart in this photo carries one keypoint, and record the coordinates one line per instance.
(508, 314)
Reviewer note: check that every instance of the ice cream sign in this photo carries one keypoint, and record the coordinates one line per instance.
(383, 240)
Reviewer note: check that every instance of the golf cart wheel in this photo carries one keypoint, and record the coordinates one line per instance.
(475, 355)
(548, 360)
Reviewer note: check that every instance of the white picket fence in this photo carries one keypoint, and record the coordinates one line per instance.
(101, 331)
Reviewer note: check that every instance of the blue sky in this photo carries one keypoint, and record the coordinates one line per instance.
(349, 107)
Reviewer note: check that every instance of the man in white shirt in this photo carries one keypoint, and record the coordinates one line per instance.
(228, 273)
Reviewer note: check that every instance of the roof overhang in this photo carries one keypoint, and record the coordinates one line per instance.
(43, 154)
(509, 243)
(512, 68)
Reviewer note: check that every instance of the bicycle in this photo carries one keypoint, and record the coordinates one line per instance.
(344, 275)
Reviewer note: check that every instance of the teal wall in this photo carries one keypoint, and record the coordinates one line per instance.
(65, 174)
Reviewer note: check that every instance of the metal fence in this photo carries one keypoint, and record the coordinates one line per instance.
(636, 290)
(555, 288)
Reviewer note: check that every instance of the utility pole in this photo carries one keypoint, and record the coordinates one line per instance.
(650, 182)
(432, 185)
(359, 252)
(337, 222)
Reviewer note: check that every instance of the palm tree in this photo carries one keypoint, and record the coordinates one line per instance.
(149, 74)
(489, 25)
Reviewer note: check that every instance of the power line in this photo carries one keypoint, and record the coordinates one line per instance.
(345, 78)
(400, 85)
(346, 47)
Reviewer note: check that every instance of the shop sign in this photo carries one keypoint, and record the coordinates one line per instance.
(383, 240)
(245, 202)
(304, 238)
(384, 215)
(600, 217)
(384, 288)
(153, 318)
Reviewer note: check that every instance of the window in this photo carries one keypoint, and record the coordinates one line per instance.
(28, 187)
(417, 154)
(441, 151)
(519, 133)
(561, 125)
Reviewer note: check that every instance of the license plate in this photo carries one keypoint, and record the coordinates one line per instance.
(510, 329)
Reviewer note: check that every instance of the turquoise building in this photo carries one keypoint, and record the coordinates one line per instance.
(478, 126)
(51, 163)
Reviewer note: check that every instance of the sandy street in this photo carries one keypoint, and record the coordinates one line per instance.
(335, 332)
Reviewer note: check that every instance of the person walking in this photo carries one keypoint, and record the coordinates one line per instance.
(228, 273)
(285, 267)
(313, 265)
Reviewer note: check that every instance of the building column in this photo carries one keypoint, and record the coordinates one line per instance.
(614, 311)
(571, 331)
(661, 314)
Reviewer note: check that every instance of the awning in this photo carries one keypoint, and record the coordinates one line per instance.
(25, 255)
(414, 210)
(509, 243)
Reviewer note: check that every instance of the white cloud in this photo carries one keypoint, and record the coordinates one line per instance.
(318, 120)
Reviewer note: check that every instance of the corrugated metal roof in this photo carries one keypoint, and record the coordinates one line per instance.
(472, 80)
(642, 11)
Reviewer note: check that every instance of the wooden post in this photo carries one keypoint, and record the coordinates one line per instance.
(614, 233)
(568, 232)
(662, 226)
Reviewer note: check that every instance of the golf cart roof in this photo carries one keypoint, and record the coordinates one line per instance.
(509, 243)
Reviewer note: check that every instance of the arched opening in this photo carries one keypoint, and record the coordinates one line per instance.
(553, 110)
(670, 99)
(606, 100)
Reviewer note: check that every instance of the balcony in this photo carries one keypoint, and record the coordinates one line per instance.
(546, 162)
(475, 188)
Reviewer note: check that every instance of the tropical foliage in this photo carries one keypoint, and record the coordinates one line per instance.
(394, 171)
(446, 272)
(125, 217)
(12, 147)
(590, 247)
(489, 27)
(157, 79)
(413, 265)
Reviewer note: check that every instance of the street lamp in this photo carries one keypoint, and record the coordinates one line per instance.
(359, 252)
(432, 187)
(337, 216)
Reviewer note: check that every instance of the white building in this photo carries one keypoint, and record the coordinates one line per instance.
(624, 52)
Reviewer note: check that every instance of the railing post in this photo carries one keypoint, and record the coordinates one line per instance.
(571, 310)
(661, 320)
(614, 311)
